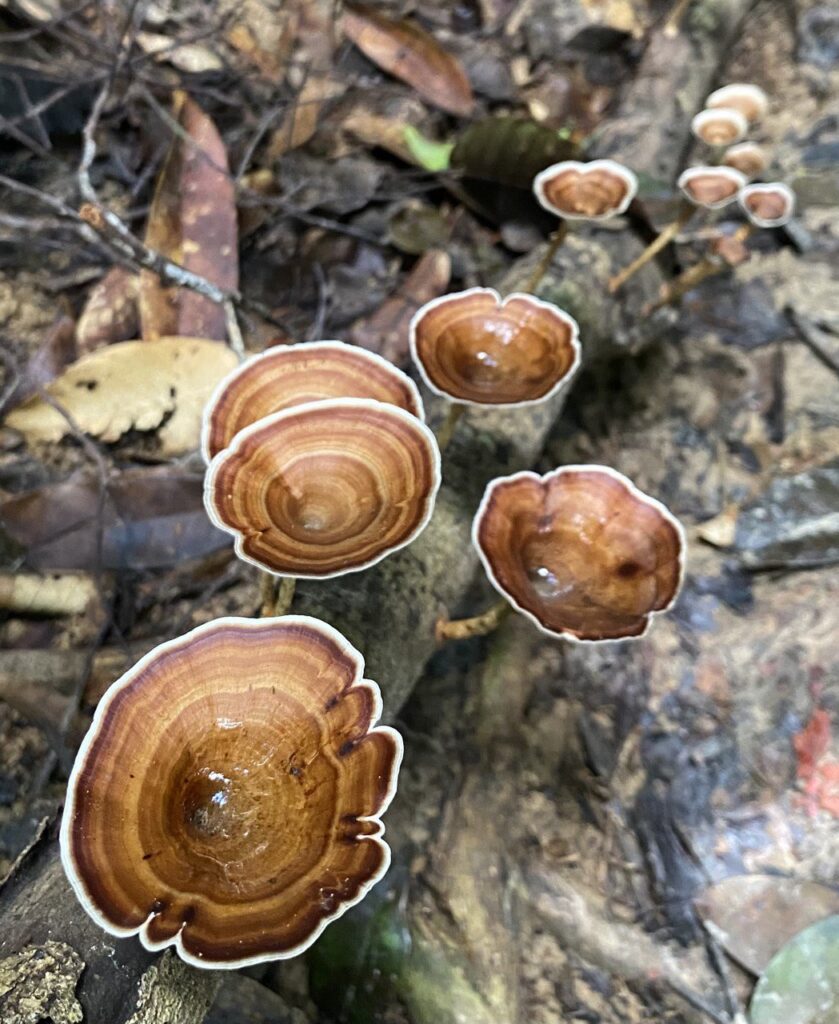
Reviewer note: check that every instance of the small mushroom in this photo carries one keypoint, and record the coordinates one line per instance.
(226, 799)
(711, 187)
(291, 375)
(585, 191)
(580, 551)
(750, 100)
(768, 205)
(325, 488)
(746, 157)
(720, 126)
(479, 349)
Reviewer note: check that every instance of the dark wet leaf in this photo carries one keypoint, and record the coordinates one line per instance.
(408, 52)
(754, 916)
(56, 351)
(192, 221)
(147, 518)
(509, 150)
(416, 227)
(801, 985)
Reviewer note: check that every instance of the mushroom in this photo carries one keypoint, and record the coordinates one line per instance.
(768, 205)
(750, 100)
(585, 191)
(479, 349)
(325, 488)
(226, 799)
(711, 187)
(580, 551)
(720, 126)
(290, 375)
(746, 157)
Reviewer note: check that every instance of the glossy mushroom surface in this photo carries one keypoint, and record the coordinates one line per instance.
(750, 100)
(769, 205)
(291, 375)
(746, 157)
(325, 488)
(721, 126)
(226, 799)
(585, 191)
(480, 349)
(712, 187)
(581, 551)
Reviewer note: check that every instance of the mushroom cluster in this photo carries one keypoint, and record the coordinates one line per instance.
(320, 462)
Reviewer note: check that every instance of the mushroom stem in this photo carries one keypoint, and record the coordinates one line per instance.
(708, 266)
(667, 234)
(478, 625)
(267, 594)
(544, 265)
(447, 428)
(285, 595)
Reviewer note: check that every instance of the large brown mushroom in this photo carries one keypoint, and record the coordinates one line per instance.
(226, 799)
(291, 375)
(479, 349)
(595, 190)
(325, 488)
(580, 551)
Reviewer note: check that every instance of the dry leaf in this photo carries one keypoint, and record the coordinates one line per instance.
(410, 53)
(110, 313)
(192, 221)
(264, 33)
(376, 130)
(57, 350)
(386, 331)
(132, 384)
(722, 529)
(192, 58)
(301, 119)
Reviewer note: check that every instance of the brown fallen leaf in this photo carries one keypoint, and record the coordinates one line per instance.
(132, 384)
(408, 52)
(193, 58)
(192, 221)
(110, 313)
(377, 130)
(149, 518)
(264, 33)
(57, 350)
(386, 331)
(301, 119)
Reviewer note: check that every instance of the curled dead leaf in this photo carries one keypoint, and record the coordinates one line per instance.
(192, 221)
(408, 52)
(131, 384)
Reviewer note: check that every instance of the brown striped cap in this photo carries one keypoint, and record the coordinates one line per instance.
(580, 551)
(712, 187)
(226, 799)
(291, 375)
(768, 205)
(480, 349)
(747, 157)
(325, 488)
(585, 191)
(750, 100)
(721, 126)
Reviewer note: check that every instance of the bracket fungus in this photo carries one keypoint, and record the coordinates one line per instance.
(711, 187)
(585, 191)
(226, 799)
(750, 100)
(768, 205)
(719, 126)
(479, 349)
(291, 375)
(747, 157)
(325, 488)
(580, 551)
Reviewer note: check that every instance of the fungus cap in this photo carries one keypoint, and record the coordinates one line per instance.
(711, 187)
(580, 551)
(226, 798)
(768, 205)
(585, 191)
(325, 488)
(750, 100)
(291, 375)
(747, 157)
(720, 126)
(479, 349)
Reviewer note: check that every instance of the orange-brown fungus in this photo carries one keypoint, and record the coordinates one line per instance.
(292, 375)
(585, 191)
(226, 799)
(711, 186)
(769, 205)
(325, 488)
(746, 157)
(580, 551)
(477, 349)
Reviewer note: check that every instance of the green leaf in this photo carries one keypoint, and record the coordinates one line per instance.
(433, 156)
(801, 984)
